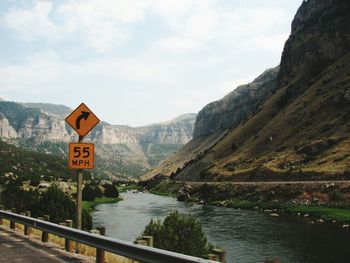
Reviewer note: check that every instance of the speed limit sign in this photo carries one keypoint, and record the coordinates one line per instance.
(81, 156)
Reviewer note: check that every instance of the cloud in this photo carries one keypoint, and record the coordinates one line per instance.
(117, 50)
(175, 44)
(33, 23)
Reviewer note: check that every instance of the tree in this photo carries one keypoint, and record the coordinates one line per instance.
(57, 204)
(111, 191)
(88, 193)
(91, 191)
(179, 233)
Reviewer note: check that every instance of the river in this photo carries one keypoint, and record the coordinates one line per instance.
(247, 236)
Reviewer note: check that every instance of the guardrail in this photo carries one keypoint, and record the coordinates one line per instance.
(116, 246)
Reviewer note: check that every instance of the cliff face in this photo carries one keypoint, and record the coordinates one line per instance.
(320, 35)
(6, 130)
(176, 131)
(237, 106)
(120, 149)
(296, 124)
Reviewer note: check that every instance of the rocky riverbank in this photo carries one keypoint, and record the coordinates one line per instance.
(319, 201)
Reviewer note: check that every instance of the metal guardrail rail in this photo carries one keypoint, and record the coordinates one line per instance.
(120, 247)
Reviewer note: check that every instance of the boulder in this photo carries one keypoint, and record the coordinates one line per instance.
(184, 193)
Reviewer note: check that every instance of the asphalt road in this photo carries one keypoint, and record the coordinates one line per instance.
(15, 247)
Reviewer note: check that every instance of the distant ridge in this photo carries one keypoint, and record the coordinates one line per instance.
(57, 110)
(121, 150)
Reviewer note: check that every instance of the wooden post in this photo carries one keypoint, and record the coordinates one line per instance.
(220, 253)
(149, 240)
(79, 193)
(100, 254)
(1, 220)
(27, 228)
(68, 244)
(45, 235)
(140, 242)
(213, 257)
(12, 223)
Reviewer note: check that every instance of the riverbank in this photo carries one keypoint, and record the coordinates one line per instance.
(90, 205)
(318, 202)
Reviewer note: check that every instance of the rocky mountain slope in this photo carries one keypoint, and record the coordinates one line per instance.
(295, 123)
(121, 150)
(27, 165)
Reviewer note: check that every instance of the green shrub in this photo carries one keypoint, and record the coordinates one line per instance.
(179, 233)
(91, 191)
(111, 191)
(57, 204)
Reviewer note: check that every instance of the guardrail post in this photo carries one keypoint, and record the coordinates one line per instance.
(221, 254)
(45, 235)
(12, 223)
(100, 254)
(149, 240)
(68, 245)
(27, 228)
(1, 220)
(140, 242)
(213, 257)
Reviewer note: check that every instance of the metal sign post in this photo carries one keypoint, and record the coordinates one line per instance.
(81, 155)
(79, 193)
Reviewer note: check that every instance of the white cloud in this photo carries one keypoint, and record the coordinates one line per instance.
(123, 49)
(175, 44)
(33, 23)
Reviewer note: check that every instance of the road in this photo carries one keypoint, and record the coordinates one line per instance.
(15, 247)
(345, 182)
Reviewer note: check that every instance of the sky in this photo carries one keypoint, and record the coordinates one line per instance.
(137, 62)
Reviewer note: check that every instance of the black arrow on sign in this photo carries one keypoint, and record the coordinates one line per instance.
(84, 115)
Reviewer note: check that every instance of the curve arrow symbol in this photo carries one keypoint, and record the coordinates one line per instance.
(84, 115)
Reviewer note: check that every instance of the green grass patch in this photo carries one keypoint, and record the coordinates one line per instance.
(90, 205)
(166, 188)
(122, 189)
(341, 215)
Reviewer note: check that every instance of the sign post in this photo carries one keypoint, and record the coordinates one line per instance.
(81, 155)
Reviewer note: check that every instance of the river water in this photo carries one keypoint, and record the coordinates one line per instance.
(247, 236)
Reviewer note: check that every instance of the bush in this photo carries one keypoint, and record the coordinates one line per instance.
(179, 233)
(57, 204)
(111, 191)
(91, 191)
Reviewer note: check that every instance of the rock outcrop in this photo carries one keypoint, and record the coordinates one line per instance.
(320, 35)
(6, 130)
(237, 106)
(121, 149)
(291, 123)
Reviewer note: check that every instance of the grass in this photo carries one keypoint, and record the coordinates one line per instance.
(328, 214)
(90, 205)
(166, 188)
(122, 189)
(341, 215)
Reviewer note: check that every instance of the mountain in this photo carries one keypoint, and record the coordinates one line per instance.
(29, 165)
(120, 150)
(59, 111)
(291, 123)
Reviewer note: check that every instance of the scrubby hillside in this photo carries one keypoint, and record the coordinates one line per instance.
(300, 130)
(121, 150)
(29, 165)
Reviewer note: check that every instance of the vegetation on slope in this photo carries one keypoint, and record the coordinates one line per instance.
(28, 165)
(301, 130)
